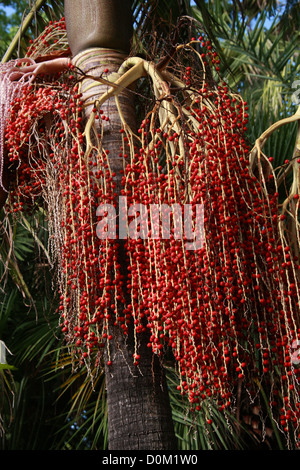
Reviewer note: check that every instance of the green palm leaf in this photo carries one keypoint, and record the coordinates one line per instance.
(34, 22)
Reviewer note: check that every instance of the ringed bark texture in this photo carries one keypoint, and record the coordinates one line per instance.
(139, 412)
(99, 23)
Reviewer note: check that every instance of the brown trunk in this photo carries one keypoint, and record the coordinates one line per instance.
(139, 413)
(138, 403)
(99, 23)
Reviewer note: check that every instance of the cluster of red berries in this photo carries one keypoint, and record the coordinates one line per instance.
(53, 36)
(24, 153)
(53, 169)
(229, 310)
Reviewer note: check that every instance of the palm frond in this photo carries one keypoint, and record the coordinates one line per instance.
(32, 25)
(254, 54)
(206, 429)
(85, 416)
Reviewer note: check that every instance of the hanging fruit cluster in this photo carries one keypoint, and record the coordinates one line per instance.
(228, 308)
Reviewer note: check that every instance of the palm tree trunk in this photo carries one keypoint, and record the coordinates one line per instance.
(139, 413)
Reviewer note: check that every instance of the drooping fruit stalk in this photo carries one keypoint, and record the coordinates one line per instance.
(100, 55)
(227, 308)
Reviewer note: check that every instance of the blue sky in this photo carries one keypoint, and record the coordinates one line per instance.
(8, 10)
